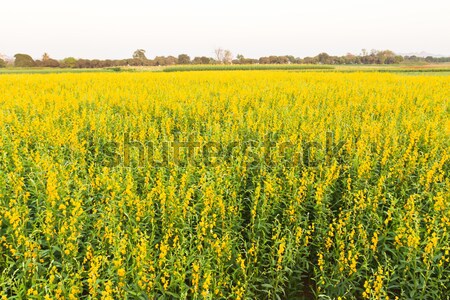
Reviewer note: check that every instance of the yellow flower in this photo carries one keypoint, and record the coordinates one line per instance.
(121, 272)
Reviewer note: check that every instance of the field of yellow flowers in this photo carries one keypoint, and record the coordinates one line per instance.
(224, 185)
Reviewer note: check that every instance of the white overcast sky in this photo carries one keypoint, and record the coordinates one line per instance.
(114, 29)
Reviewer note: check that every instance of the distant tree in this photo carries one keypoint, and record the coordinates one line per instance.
(164, 61)
(220, 54)
(2, 63)
(398, 59)
(107, 63)
(135, 62)
(69, 62)
(184, 59)
(83, 63)
(95, 63)
(196, 60)
(251, 61)
(349, 59)
(24, 61)
(159, 61)
(337, 60)
(227, 57)
(50, 63)
(264, 60)
(383, 57)
(291, 59)
(139, 54)
(148, 62)
(240, 59)
(170, 60)
(45, 56)
(283, 60)
(310, 60)
(202, 60)
(121, 62)
(323, 58)
(273, 59)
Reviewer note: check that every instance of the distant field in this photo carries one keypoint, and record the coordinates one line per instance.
(245, 67)
(402, 68)
(435, 69)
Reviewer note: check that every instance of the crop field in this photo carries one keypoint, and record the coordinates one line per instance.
(224, 185)
(255, 67)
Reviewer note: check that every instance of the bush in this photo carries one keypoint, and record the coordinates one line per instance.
(24, 61)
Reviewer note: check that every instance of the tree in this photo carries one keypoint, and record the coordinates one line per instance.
(279, 60)
(223, 56)
(184, 59)
(23, 61)
(385, 57)
(240, 59)
(349, 59)
(202, 60)
(264, 60)
(170, 60)
(50, 63)
(95, 63)
(2, 63)
(159, 61)
(310, 60)
(323, 58)
(69, 62)
(83, 63)
(227, 57)
(220, 53)
(292, 59)
(139, 54)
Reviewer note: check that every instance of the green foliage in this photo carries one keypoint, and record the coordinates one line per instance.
(184, 59)
(2, 63)
(24, 61)
(50, 63)
(69, 62)
(115, 69)
(139, 54)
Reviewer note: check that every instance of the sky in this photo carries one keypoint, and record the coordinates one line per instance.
(114, 29)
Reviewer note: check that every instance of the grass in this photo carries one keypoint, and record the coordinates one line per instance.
(245, 68)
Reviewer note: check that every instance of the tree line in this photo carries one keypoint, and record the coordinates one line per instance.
(221, 57)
